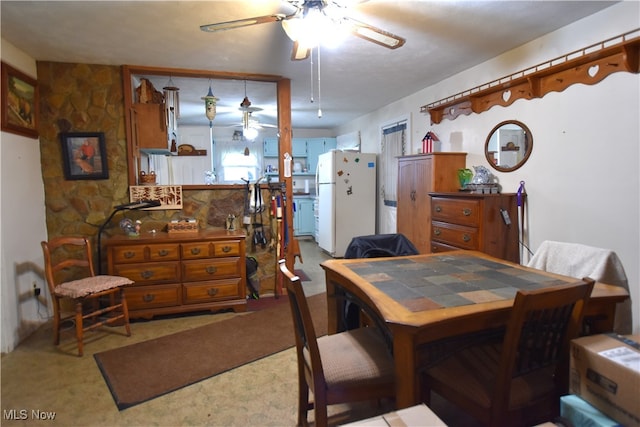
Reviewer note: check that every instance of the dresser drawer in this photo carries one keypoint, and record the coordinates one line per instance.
(196, 250)
(166, 252)
(227, 248)
(438, 247)
(457, 211)
(152, 296)
(141, 253)
(455, 235)
(218, 290)
(149, 272)
(209, 269)
(122, 254)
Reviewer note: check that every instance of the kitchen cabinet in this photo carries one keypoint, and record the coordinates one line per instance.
(303, 218)
(315, 147)
(299, 148)
(150, 127)
(481, 222)
(418, 175)
(270, 147)
(304, 151)
(180, 272)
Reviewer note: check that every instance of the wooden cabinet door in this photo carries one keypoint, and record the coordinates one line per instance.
(413, 214)
(271, 147)
(303, 220)
(299, 147)
(151, 127)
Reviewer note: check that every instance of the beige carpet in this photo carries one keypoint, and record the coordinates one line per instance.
(143, 371)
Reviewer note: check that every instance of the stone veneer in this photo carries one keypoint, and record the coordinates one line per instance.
(89, 98)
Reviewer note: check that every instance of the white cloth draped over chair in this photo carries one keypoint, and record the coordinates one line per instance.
(577, 260)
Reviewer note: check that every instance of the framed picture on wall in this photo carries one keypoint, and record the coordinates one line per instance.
(19, 102)
(84, 155)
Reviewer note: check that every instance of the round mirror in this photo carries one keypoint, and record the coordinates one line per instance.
(508, 145)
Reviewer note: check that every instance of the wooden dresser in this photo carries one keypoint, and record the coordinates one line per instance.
(176, 273)
(475, 221)
(417, 176)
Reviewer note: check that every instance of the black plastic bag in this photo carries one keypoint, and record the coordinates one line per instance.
(253, 281)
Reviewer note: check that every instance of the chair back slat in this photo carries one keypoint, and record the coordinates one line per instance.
(67, 258)
(541, 338)
(543, 323)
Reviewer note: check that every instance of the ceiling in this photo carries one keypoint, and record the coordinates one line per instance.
(442, 39)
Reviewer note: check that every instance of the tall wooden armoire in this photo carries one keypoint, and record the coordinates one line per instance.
(418, 175)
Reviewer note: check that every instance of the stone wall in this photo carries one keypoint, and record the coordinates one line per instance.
(89, 98)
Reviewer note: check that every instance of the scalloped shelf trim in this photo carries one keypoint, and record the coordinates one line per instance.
(588, 65)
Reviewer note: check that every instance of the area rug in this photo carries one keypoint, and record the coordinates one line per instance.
(302, 275)
(140, 372)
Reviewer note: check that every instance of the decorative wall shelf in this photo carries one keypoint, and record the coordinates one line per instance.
(588, 65)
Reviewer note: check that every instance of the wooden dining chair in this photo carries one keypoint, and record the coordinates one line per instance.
(70, 275)
(519, 380)
(346, 367)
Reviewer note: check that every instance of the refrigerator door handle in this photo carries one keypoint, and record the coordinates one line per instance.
(317, 178)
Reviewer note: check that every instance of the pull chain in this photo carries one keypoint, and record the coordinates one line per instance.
(311, 75)
(319, 94)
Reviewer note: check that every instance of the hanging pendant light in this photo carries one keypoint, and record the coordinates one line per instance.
(172, 104)
(210, 104)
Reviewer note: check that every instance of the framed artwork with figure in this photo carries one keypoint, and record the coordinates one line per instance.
(19, 102)
(84, 155)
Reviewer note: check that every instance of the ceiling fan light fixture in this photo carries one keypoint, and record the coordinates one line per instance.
(292, 28)
(313, 29)
(250, 133)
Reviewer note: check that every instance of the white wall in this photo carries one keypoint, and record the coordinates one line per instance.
(22, 226)
(582, 178)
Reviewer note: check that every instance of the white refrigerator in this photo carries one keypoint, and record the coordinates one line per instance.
(346, 196)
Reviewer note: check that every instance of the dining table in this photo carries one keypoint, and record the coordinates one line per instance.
(425, 304)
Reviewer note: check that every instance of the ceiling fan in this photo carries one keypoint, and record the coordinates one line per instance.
(310, 14)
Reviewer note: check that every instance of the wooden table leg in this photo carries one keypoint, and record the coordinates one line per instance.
(407, 384)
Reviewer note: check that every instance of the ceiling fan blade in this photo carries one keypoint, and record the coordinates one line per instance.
(299, 52)
(229, 25)
(375, 34)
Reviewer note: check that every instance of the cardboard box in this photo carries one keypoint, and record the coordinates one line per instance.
(581, 413)
(418, 416)
(605, 371)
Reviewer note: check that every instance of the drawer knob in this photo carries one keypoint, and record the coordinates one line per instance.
(212, 291)
(438, 208)
(195, 251)
(147, 274)
(436, 231)
(129, 254)
(148, 297)
(226, 249)
(211, 270)
(466, 211)
(466, 237)
(163, 252)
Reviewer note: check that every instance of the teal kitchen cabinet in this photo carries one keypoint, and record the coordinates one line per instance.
(315, 147)
(303, 219)
(299, 147)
